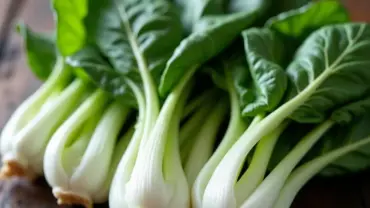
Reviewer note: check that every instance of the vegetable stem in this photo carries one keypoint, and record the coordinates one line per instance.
(266, 193)
(257, 169)
(299, 177)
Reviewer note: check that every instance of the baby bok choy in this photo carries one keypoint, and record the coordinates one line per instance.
(315, 72)
(347, 150)
(141, 42)
(267, 192)
(25, 136)
(80, 154)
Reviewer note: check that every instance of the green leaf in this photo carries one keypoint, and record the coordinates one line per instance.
(235, 6)
(71, 34)
(342, 136)
(348, 112)
(90, 64)
(333, 64)
(203, 44)
(286, 5)
(264, 52)
(193, 10)
(135, 34)
(299, 23)
(40, 50)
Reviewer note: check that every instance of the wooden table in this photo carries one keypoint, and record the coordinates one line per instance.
(17, 82)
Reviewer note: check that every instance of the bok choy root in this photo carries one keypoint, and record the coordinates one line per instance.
(202, 104)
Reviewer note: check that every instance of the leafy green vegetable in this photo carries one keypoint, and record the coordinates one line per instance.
(194, 10)
(71, 31)
(41, 51)
(90, 64)
(321, 59)
(299, 23)
(203, 44)
(135, 35)
(313, 72)
(264, 54)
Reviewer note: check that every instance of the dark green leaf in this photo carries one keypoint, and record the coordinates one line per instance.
(264, 52)
(341, 136)
(301, 22)
(135, 34)
(348, 112)
(333, 63)
(71, 34)
(203, 44)
(90, 64)
(40, 50)
(193, 10)
(286, 5)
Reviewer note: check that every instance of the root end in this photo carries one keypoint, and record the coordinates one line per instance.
(69, 198)
(12, 168)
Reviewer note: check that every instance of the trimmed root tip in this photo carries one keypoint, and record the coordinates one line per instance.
(69, 198)
(12, 168)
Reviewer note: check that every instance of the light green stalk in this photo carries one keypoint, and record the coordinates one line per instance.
(299, 177)
(267, 192)
(204, 141)
(256, 171)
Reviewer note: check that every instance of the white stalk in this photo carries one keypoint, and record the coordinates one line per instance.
(299, 177)
(234, 130)
(190, 129)
(55, 172)
(102, 194)
(220, 189)
(28, 145)
(86, 175)
(147, 186)
(124, 170)
(256, 171)
(267, 192)
(204, 143)
(29, 108)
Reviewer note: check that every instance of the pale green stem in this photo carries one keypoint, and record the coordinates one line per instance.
(256, 171)
(204, 141)
(267, 192)
(198, 101)
(234, 130)
(221, 194)
(190, 129)
(147, 185)
(299, 177)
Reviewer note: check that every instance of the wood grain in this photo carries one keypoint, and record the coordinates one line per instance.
(17, 83)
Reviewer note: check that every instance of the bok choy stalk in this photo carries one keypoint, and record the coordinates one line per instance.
(88, 137)
(270, 81)
(25, 136)
(136, 64)
(273, 183)
(355, 140)
(311, 74)
(199, 146)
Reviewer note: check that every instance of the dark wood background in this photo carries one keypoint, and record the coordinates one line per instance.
(17, 82)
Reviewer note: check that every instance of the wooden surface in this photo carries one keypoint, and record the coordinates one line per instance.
(17, 82)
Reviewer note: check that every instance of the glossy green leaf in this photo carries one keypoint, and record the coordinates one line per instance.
(71, 34)
(264, 52)
(332, 63)
(135, 34)
(90, 64)
(202, 45)
(299, 23)
(40, 50)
